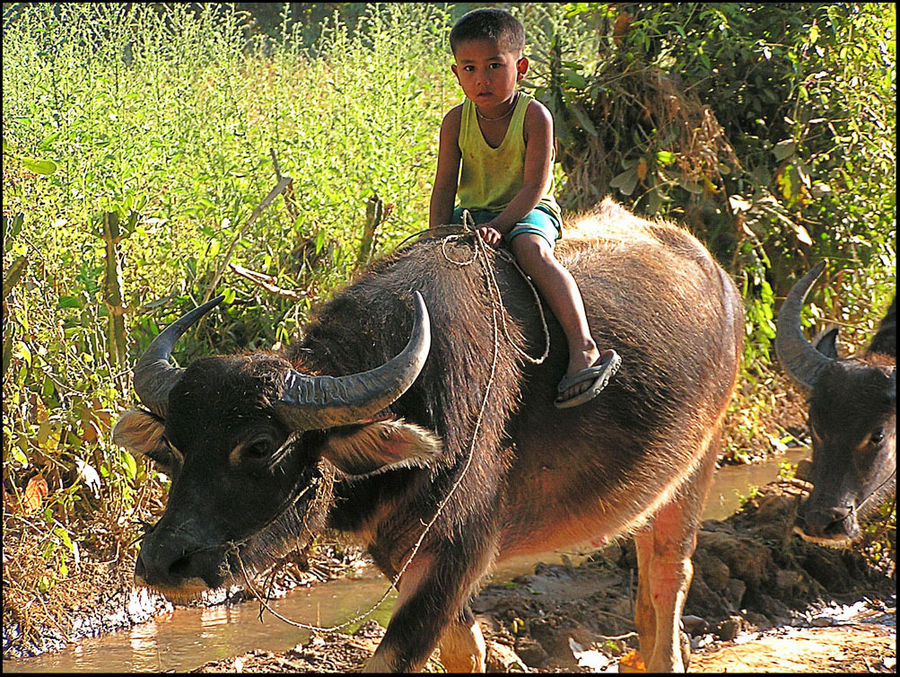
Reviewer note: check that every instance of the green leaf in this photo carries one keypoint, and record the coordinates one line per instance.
(24, 352)
(583, 118)
(689, 186)
(14, 274)
(574, 79)
(665, 157)
(68, 302)
(45, 167)
(19, 455)
(625, 182)
(130, 465)
(63, 536)
(784, 149)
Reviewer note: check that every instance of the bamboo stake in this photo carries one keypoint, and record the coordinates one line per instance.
(374, 217)
(112, 289)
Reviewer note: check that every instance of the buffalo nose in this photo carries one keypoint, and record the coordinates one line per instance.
(824, 522)
(162, 563)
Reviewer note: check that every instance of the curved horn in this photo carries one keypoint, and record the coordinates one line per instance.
(154, 377)
(798, 356)
(315, 402)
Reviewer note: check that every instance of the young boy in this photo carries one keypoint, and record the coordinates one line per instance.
(503, 139)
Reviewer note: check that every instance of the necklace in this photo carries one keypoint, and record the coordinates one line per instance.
(499, 117)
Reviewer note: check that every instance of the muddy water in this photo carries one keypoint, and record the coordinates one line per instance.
(187, 638)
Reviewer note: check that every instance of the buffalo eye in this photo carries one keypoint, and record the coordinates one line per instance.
(258, 449)
(877, 437)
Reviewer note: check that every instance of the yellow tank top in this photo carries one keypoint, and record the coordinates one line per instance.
(491, 177)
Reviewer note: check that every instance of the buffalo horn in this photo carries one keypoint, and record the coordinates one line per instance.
(154, 377)
(316, 402)
(798, 356)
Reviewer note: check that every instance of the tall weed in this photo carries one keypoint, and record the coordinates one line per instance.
(170, 116)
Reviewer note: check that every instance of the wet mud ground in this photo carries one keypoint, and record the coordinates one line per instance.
(762, 600)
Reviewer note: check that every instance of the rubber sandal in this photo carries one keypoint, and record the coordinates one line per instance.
(606, 366)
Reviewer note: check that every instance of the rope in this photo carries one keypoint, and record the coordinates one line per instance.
(874, 493)
(480, 251)
(490, 277)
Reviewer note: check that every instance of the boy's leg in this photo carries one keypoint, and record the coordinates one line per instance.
(556, 284)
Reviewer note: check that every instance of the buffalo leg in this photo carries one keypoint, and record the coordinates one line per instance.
(664, 550)
(431, 607)
(462, 645)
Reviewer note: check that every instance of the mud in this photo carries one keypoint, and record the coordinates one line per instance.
(761, 601)
(109, 602)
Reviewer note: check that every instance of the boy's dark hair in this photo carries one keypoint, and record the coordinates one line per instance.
(490, 24)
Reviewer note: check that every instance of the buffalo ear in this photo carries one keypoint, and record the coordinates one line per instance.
(378, 446)
(826, 343)
(141, 432)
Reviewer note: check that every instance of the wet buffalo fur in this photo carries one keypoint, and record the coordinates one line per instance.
(537, 477)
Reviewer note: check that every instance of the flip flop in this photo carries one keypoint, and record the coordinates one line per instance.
(599, 373)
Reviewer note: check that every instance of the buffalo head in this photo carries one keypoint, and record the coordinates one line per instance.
(852, 421)
(252, 444)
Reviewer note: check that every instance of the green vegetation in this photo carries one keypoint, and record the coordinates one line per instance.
(139, 139)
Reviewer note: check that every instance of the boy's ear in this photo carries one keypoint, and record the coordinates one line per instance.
(521, 68)
(455, 70)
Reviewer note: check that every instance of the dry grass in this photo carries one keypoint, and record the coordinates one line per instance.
(651, 105)
(26, 570)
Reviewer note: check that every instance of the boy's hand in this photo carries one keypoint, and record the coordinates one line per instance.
(490, 235)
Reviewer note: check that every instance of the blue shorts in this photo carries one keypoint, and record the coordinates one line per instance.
(539, 221)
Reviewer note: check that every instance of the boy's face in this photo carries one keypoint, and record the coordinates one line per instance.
(487, 74)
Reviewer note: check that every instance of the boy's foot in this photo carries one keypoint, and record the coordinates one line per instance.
(596, 376)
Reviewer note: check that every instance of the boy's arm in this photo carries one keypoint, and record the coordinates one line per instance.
(538, 129)
(447, 177)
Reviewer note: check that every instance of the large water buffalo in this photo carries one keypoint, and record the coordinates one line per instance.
(852, 420)
(351, 430)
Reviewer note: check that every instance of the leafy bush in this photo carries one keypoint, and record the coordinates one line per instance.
(768, 128)
(137, 141)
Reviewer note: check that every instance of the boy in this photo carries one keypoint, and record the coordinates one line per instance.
(504, 140)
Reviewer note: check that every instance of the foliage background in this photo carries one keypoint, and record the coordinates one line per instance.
(138, 139)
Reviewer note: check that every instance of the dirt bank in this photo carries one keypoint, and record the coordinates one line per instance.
(761, 600)
(99, 597)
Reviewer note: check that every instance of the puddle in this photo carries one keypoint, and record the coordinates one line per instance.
(182, 640)
(187, 638)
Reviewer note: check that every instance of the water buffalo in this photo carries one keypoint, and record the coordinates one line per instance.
(356, 429)
(852, 420)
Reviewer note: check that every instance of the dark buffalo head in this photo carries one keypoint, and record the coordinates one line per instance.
(852, 421)
(252, 445)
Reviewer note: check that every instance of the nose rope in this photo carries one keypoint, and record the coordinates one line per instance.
(480, 251)
(874, 492)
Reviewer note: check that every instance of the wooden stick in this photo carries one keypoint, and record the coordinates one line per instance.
(275, 192)
(267, 282)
